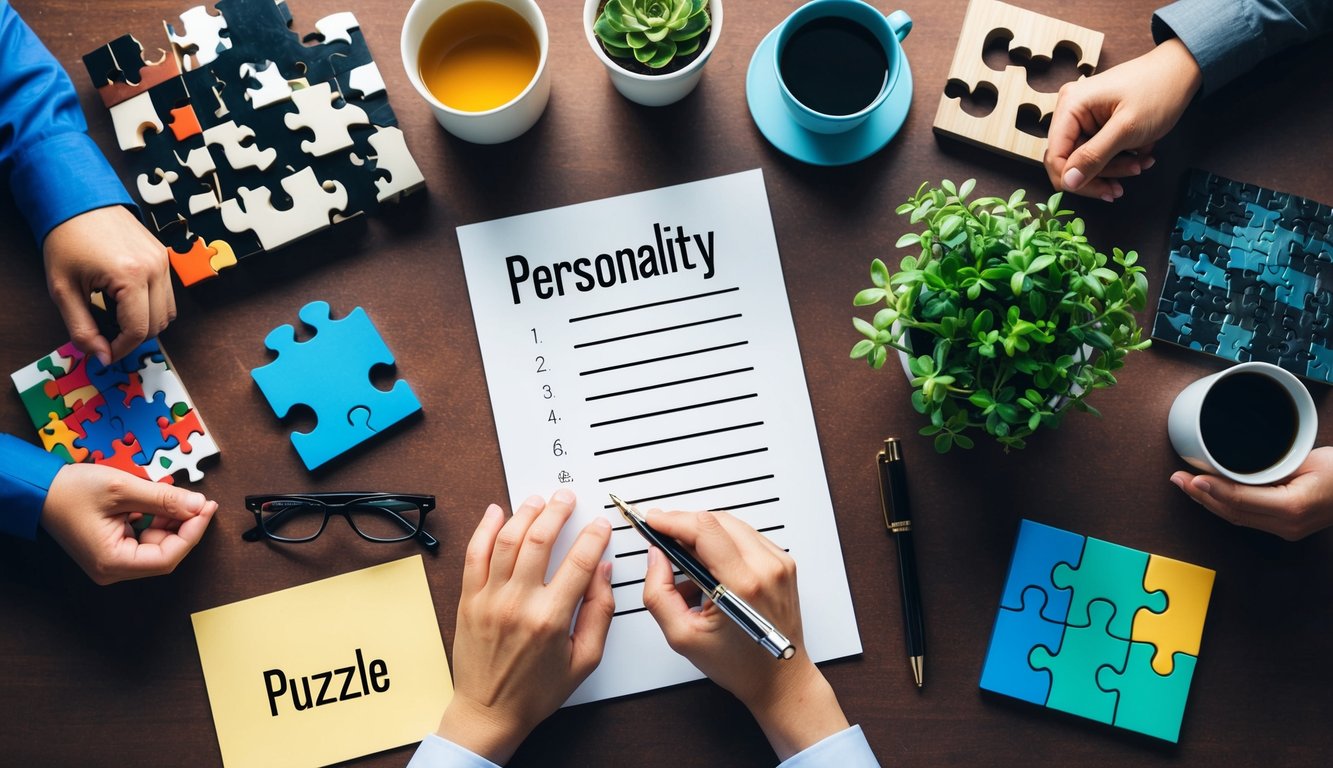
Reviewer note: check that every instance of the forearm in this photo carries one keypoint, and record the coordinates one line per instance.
(799, 713)
(26, 472)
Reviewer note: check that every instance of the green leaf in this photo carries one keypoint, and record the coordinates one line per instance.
(877, 357)
(963, 191)
(865, 329)
(949, 225)
(885, 317)
(911, 238)
(879, 273)
(868, 296)
(862, 348)
(943, 442)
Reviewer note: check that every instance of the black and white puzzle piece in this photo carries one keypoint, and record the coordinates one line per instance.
(263, 136)
(1249, 275)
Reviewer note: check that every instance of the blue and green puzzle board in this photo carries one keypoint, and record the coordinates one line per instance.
(1098, 630)
(1249, 277)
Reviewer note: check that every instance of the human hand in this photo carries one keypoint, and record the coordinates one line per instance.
(790, 699)
(88, 511)
(515, 659)
(108, 250)
(1104, 127)
(1293, 510)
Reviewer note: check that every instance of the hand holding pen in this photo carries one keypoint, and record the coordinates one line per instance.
(790, 699)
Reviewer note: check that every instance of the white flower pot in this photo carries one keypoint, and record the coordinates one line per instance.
(654, 90)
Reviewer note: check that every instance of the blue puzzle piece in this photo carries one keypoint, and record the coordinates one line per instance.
(140, 419)
(1233, 338)
(330, 373)
(1040, 548)
(1016, 633)
(1148, 702)
(106, 378)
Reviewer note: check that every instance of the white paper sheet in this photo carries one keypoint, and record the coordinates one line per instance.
(643, 345)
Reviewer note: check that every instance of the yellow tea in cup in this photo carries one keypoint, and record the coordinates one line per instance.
(478, 56)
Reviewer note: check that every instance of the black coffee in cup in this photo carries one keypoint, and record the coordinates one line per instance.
(834, 65)
(1248, 422)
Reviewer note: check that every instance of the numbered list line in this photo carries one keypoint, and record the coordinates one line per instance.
(653, 304)
(650, 470)
(688, 491)
(677, 382)
(672, 410)
(705, 433)
(690, 353)
(709, 321)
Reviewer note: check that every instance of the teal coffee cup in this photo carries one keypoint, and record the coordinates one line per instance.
(837, 61)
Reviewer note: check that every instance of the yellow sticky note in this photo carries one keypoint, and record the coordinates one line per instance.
(326, 671)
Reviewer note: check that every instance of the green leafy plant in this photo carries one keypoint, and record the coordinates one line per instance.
(1008, 315)
(652, 32)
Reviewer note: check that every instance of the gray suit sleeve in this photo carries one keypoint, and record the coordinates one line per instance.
(1228, 37)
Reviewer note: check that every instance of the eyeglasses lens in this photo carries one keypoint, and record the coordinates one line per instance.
(291, 519)
(385, 519)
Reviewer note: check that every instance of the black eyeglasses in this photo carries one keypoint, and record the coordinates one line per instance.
(380, 517)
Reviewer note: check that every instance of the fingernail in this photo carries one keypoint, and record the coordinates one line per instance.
(1117, 189)
(194, 502)
(1135, 170)
(1074, 179)
(1203, 485)
(534, 501)
(564, 496)
(1178, 482)
(492, 512)
(653, 555)
(601, 523)
(104, 358)
(1108, 197)
(605, 571)
(1150, 162)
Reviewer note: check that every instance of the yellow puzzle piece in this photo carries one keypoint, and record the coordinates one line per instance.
(1187, 588)
(57, 432)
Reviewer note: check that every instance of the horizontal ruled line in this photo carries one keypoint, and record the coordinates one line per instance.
(652, 304)
(690, 380)
(770, 528)
(633, 553)
(663, 357)
(694, 490)
(657, 330)
(628, 611)
(681, 464)
(748, 504)
(678, 437)
(672, 410)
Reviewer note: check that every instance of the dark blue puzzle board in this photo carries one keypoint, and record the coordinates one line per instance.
(1249, 277)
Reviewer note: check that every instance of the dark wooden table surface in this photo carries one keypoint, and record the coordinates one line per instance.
(110, 676)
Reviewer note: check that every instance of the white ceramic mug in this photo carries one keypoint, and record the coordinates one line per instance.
(1187, 437)
(493, 126)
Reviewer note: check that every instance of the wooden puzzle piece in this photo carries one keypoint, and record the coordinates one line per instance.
(394, 161)
(1149, 702)
(204, 37)
(365, 81)
(1114, 574)
(194, 265)
(1040, 548)
(120, 71)
(239, 145)
(337, 27)
(273, 87)
(1178, 630)
(184, 123)
(1075, 669)
(330, 374)
(312, 205)
(330, 124)
(158, 190)
(1016, 633)
(1036, 36)
(132, 118)
(58, 438)
(168, 461)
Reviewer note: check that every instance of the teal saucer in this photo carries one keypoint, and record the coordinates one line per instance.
(775, 122)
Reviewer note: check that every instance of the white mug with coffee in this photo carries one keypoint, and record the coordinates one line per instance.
(480, 64)
(1253, 423)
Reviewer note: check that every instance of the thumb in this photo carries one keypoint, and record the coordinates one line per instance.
(79, 320)
(1088, 161)
(158, 499)
(666, 605)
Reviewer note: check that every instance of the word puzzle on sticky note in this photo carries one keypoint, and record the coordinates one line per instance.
(243, 136)
(1098, 630)
(134, 414)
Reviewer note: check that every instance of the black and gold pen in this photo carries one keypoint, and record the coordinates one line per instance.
(898, 522)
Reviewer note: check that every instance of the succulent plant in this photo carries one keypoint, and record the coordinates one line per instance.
(653, 32)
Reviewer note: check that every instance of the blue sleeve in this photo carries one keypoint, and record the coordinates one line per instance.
(26, 473)
(1228, 37)
(436, 752)
(845, 749)
(54, 169)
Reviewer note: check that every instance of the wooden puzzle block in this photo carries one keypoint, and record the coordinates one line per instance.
(330, 374)
(250, 109)
(1088, 664)
(1034, 36)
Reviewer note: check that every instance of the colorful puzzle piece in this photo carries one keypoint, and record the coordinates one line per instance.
(1250, 277)
(116, 411)
(330, 373)
(245, 136)
(1126, 651)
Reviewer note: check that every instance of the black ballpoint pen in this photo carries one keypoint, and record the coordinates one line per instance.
(760, 629)
(897, 520)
